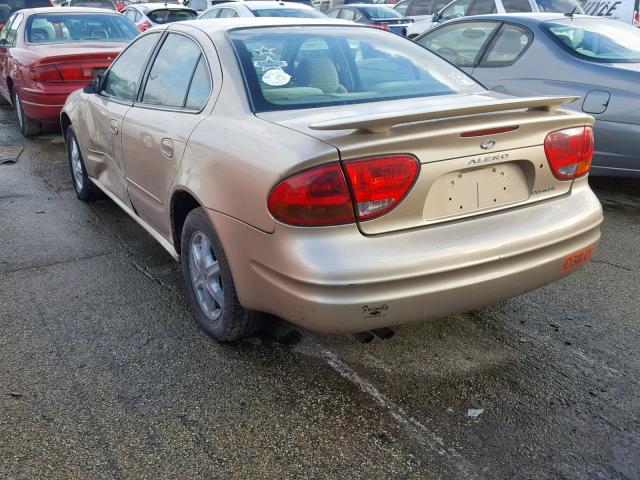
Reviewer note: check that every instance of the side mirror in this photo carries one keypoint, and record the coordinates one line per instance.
(96, 85)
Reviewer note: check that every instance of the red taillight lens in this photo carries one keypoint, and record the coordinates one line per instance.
(380, 25)
(315, 197)
(379, 184)
(320, 196)
(144, 26)
(569, 152)
(636, 17)
(45, 73)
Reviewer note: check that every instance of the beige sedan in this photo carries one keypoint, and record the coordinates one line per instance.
(338, 176)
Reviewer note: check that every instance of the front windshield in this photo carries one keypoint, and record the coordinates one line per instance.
(287, 12)
(78, 27)
(380, 12)
(309, 66)
(598, 40)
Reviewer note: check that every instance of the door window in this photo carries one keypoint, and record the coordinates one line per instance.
(227, 13)
(482, 7)
(13, 29)
(509, 45)
(210, 14)
(515, 6)
(124, 76)
(402, 7)
(347, 14)
(200, 87)
(172, 71)
(456, 9)
(333, 13)
(421, 7)
(460, 43)
(5, 30)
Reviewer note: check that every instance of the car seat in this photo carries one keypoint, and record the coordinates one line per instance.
(319, 73)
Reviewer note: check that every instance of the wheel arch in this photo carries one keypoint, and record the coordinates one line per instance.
(182, 202)
(65, 123)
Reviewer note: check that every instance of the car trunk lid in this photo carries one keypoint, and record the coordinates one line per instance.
(467, 168)
(78, 63)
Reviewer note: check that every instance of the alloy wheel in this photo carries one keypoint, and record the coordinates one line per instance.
(76, 163)
(205, 276)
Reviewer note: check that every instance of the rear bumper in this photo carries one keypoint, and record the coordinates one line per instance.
(45, 105)
(337, 280)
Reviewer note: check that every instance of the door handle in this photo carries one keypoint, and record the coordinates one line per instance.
(114, 126)
(166, 147)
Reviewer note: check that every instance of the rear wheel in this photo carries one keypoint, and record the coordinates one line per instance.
(85, 189)
(28, 126)
(209, 283)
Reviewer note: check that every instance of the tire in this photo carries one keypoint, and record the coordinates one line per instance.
(84, 187)
(209, 283)
(28, 126)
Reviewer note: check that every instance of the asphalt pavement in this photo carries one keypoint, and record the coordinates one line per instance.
(104, 374)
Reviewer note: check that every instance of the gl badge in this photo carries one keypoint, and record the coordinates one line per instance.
(486, 145)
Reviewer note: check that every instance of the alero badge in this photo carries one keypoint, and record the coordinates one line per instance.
(486, 145)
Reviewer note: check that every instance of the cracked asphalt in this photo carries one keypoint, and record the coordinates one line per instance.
(104, 374)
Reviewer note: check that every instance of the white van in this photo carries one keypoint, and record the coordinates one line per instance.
(627, 11)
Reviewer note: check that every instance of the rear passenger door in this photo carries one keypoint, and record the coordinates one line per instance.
(169, 106)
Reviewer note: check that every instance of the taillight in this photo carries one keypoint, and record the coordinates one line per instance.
(379, 184)
(636, 17)
(383, 26)
(65, 72)
(315, 197)
(45, 73)
(569, 152)
(144, 26)
(322, 196)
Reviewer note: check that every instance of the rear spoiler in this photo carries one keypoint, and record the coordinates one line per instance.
(383, 122)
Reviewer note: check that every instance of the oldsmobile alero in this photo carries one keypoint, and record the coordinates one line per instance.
(338, 176)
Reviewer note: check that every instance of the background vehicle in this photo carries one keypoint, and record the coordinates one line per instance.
(260, 8)
(202, 5)
(147, 15)
(597, 59)
(419, 10)
(464, 8)
(326, 5)
(293, 175)
(627, 11)
(8, 7)
(106, 4)
(47, 53)
(380, 16)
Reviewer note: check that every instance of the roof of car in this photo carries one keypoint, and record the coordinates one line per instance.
(150, 7)
(222, 24)
(261, 4)
(31, 11)
(528, 18)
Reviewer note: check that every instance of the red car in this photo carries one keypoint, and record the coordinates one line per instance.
(47, 53)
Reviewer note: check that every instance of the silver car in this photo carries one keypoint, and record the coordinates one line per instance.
(595, 58)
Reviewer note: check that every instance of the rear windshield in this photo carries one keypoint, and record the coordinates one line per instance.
(378, 12)
(597, 40)
(303, 67)
(7, 7)
(78, 27)
(286, 12)
(162, 15)
(94, 4)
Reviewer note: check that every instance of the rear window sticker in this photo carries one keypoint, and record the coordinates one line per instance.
(276, 77)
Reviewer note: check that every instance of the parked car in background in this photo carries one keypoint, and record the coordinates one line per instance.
(595, 58)
(261, 8)
(332, 174)
(122, 4)
(326, 5)
(380, 16)
(47, 53)
(106, 4)
(202, 5)
(464, 8)
(627, 11)
(147, 15)
(8, 7)
(419, 10)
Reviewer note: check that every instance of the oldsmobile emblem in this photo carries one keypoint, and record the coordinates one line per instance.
(486, 145)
